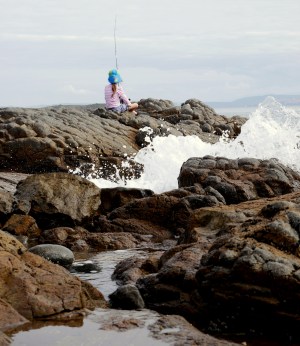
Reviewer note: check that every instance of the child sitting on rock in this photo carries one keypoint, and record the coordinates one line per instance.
(115, 98)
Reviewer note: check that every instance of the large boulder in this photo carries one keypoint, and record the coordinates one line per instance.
(240, 179)
(236, 270)
(32, 287)
(57, 199)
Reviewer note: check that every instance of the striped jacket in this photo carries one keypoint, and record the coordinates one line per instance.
(113, 101)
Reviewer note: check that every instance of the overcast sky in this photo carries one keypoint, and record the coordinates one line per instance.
(60, 51)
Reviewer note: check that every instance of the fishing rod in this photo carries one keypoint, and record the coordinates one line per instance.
(115, 29)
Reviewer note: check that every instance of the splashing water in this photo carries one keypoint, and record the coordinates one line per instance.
(272, 131)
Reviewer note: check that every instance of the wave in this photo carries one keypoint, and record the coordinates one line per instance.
(272, 131)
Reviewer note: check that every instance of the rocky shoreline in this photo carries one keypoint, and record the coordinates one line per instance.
(230, 258)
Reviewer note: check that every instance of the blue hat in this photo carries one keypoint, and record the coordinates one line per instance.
(114, 77)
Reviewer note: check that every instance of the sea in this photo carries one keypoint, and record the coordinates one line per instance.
(271, 131)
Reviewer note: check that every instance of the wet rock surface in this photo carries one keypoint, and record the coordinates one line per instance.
(240, 274)
(59, 138)
(54, 253)
(32, 287)
(239, 180)
(122, 327)
(127, 297)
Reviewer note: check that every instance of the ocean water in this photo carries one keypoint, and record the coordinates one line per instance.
(245, 111)
(272, 131)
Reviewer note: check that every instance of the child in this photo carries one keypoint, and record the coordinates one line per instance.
(115, 98)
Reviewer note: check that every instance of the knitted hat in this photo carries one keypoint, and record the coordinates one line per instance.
(114, 77)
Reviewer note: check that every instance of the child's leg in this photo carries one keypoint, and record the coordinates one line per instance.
(133, 107)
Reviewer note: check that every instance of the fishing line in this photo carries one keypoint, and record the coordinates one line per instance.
(116, 56)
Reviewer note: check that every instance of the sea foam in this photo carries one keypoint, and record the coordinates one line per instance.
(272, 131)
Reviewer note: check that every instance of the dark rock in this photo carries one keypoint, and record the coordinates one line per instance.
(150, 105)
(57, 199)
(171, 288)
(85, 267)
(54, 253)
(294, 219)
(236, 270)
(56, 139)
(239, 180)
(131, 269)
(127, 297)
(119, 196)
(196, 201)
(272, 209)
(207, 128)
(177, 328)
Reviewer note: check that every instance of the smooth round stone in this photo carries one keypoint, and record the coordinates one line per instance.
(85, 267)
(55, 253)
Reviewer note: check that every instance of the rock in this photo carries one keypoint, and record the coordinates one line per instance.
(237, 269)
(37, 288)
(150, 105)
(57, 139)
(8, 183)
(239, 180)
(4, 339)
(174, 327)
(131, 269)
(147, 216)
(23, 225)
(85, 267)
(171, 288)
(127, 297)
(57, 199)
(245, 270)
(10, 318)
(55, 253)
(10, 244)
(207, 128)
(6, 202)
(79, 239)
(119, 196)
(10, 180)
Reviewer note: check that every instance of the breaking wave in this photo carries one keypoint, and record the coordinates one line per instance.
(272, 131)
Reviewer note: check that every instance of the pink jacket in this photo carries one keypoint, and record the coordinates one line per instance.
(114, 100)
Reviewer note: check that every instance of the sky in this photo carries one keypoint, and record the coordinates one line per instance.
(60, 51)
